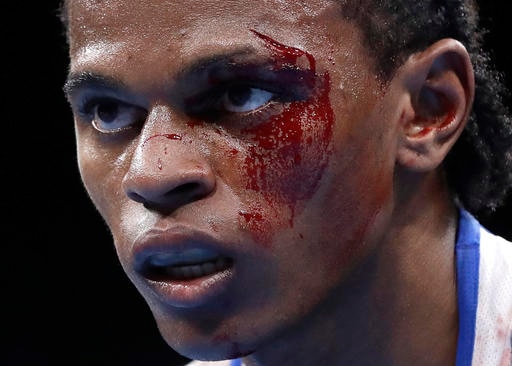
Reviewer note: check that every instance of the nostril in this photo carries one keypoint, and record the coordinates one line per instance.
(173, 198)
(189, 190)
(185, 193)
(182, 182)
(135, 197)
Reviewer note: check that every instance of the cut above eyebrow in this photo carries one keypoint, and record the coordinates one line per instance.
(89, 80)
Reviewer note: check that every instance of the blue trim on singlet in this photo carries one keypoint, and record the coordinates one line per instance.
(467, 256)
(237, 362)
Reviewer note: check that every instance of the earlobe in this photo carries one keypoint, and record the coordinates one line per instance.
(440, 84)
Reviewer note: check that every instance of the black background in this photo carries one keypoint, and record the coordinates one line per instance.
(65, 298)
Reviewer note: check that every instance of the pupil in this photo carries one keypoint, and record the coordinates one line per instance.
(107, 112)
(239, 95)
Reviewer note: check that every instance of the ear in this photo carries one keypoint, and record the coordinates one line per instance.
(440, 83)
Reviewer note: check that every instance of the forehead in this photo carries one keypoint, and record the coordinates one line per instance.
(111, 20)
(189, 10)
(145, 41)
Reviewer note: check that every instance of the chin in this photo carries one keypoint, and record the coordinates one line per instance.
(198, 344)
(210, 351)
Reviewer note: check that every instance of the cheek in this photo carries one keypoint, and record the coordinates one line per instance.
(353, 205)
(285, 163)
(99, 179)
(90, 173)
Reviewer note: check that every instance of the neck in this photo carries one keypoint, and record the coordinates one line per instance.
(397, 308)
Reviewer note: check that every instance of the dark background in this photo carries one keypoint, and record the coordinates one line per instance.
(65, 297)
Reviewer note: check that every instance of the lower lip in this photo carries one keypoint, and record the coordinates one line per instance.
(193, 293)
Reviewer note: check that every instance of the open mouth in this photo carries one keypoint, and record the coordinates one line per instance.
(183, 266)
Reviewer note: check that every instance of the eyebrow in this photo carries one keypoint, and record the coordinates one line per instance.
(214, 60)
(90, 80)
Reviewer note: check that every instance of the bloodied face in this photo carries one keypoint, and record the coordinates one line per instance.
(239, 153)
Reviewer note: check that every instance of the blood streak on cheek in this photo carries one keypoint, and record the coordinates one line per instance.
(290, 150)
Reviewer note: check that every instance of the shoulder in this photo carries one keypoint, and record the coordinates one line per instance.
(495, 280)
(496, 256)
(493, 341)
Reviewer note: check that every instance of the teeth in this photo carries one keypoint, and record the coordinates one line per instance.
(188, 256)
(209, 267)
(196, 270)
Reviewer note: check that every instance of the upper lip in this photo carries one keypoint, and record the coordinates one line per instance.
(176, 245)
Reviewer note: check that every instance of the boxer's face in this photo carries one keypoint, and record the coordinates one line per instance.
(239, 152)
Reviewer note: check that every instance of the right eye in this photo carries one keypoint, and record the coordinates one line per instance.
(113, 116)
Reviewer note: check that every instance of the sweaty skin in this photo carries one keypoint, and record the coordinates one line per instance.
(286, 212)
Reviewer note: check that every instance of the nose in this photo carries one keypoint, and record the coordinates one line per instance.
(166, 173)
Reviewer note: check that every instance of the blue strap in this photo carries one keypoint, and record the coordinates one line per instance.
(467, 256)
(236, 362)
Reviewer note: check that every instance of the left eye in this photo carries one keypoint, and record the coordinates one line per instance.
(242, 98)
